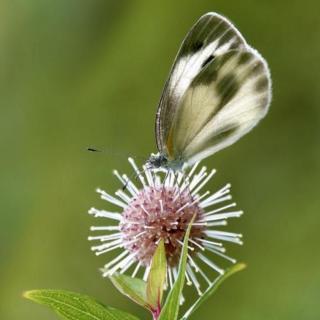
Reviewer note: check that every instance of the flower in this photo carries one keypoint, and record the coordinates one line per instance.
(162, 208)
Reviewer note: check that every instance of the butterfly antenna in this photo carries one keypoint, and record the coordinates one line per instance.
(90, 149)
(113, 152)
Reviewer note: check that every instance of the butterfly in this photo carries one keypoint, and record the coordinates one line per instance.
(218, 89)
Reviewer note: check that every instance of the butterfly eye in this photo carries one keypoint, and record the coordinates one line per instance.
(209, 59)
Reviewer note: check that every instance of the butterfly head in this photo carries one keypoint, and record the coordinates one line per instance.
(159, 160)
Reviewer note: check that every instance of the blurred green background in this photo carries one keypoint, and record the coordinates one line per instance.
(81, 73)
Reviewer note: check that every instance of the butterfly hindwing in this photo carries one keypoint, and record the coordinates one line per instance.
(222, 103)
(211, 36)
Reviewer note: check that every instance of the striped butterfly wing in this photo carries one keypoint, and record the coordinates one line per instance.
(222, 103)
(212, 102)
(210, 37)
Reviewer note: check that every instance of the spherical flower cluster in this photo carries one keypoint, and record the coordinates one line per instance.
(162, 208)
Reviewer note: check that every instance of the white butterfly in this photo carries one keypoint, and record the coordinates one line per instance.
(219, 88)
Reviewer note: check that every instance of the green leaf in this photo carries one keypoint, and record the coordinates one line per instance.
(170, 310)
(213, 287)
(133, 288)
(75, 306)
(157, 277)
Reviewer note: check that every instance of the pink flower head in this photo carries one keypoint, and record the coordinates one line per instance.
(162, 208)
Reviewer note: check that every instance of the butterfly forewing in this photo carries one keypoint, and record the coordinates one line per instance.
(211, 37)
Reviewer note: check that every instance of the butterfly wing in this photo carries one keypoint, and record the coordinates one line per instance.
(224, 102)
(211, 35)
(219, 88)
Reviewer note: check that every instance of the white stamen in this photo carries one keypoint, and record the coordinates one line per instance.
(207, 203)
(198, 178)
(166, 181)
(193, 169)
(137, 171)
(129, 264)
(123, 196)
(172, 178)
(208, 241)
(161, 206)
(170, 276)
(220, 249)
(149, 176)
(136, 269)
(146, 273)
(189, 282)
(179, 179)
(221, 254)
(140, 234)
(116, 173)
(106, 237)
(210, 263)
(197, 244)
(204, 182)
(194, 279)
(226, 236)
(193, 263)
(132, 222)
(201, 224)
(115, 260)
(225, 215)
(217, 223)
(106, 245)
(199, 198)
(198, 269)
(104, 195)
(106, 228)
(144, 209)
(211, 200)
(131, 241)
(175, 277)
(184, 186)
(183, 207)
(105, 214)
(220, 209)
(176, 197)
(181, 243)
(98, 253)
(149, 227)
(122, 263)
(225, 189)
(157, 181)
(130, 185)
